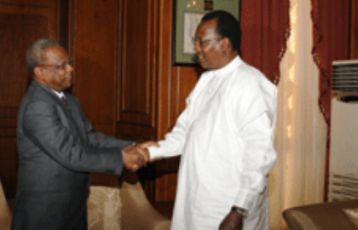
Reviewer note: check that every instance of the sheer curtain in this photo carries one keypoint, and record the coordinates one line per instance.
(298, 176)
(302, 73)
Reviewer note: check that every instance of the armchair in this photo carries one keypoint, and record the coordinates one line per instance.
(124, 206)
(5, 213)
(327, 216)
(105, 205)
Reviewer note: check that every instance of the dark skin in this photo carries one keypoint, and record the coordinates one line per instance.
(212, 50)
(232, 221)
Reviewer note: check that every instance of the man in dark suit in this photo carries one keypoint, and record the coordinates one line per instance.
(58, 147)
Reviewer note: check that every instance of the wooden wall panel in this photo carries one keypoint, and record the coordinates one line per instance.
(354, 30)
(151, 90)
(17, 31)
(174, 82)
(21, 22)
(47, 9)
(137, 70)
(139, 65)
(183, 79)
(8, 169)
(94, 47)
(174, 85)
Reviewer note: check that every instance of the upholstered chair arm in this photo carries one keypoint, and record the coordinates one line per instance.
(137, 212)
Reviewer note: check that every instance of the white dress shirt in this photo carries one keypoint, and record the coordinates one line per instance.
(225, 138)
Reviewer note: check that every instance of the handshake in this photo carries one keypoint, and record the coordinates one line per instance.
(136, 156)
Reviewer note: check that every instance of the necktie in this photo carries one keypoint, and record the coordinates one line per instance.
(64, 101)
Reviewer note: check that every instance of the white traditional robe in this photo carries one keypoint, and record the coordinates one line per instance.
(225, 138)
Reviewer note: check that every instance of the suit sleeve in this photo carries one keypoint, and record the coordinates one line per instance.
(96, 138)
(101, 140)
(43, 126)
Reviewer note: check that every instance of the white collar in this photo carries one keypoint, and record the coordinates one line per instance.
(58, 94)
(228, 67)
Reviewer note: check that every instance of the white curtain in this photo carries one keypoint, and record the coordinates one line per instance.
(298, 176)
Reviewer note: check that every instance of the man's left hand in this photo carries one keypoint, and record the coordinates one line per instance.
(232, 221)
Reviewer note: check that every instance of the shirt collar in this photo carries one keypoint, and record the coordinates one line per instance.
(228, 67)
(58, 94)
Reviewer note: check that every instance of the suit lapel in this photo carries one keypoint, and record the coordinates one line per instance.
(71, 111)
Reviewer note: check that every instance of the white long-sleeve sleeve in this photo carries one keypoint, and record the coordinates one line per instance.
(173, 143)
(255, 120)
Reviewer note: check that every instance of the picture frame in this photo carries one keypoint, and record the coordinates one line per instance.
(186, 17)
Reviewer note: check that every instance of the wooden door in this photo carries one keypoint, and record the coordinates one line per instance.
(21, 22)
(138, 70)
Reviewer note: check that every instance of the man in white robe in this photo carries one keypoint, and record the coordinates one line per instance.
(224, 136)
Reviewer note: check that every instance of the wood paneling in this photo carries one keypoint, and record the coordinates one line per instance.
(354, 30)
(21, 22)
(139, 63)
(138, 78)
(8, 157)
(17, 31)
(151, 90)
(123, 76)
(175, 84)
(94, 47)
(8, 169)
(139, 69)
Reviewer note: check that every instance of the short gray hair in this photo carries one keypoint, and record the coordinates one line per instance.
(35, 51)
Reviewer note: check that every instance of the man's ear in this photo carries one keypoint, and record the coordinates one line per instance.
(225, 45)
(37, 71)
(38, 74)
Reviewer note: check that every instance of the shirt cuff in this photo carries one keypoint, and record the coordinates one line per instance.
(154, 152)
(248, 200)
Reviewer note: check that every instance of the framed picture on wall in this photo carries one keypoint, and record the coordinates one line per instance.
(187, 16)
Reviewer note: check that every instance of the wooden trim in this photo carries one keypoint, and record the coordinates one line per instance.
(354, 29)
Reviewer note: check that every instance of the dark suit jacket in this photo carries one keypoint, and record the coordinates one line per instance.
(57, 148)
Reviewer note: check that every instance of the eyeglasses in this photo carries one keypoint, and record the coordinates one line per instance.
(204, 42)
(58, 67)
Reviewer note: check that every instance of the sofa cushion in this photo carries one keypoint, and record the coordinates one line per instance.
(104, 208)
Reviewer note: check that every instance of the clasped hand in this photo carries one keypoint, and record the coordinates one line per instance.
(136, 156)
